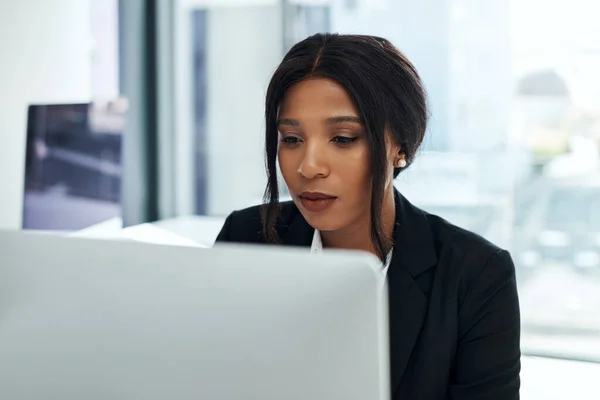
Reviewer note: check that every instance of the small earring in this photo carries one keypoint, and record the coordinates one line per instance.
(401, 163)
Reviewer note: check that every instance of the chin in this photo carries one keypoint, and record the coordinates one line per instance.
(322, 221)
(331, 219)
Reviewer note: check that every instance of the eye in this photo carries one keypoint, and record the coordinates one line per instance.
(289, 140)
(344, 140)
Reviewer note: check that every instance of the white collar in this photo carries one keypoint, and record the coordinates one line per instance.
(317, 247)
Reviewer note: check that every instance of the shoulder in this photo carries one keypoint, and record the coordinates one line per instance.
(460, 241)
(467, 256)
(245, 226)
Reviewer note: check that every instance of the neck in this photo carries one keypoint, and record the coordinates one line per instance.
(358, 235)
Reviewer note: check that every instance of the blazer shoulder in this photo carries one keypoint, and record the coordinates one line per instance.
(245, 226)
(459, 239)
(468, 253)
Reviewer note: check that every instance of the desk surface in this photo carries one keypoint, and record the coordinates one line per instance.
(200, 229)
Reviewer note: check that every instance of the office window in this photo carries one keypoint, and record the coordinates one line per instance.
(513, 142)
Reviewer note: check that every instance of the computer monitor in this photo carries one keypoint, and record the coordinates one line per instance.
(95, 319)
(73, 165)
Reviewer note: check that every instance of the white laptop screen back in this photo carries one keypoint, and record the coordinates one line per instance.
(91, 319)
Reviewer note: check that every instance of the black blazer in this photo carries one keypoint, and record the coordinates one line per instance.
(453, 305)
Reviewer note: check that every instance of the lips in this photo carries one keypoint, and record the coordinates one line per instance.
(315, 201)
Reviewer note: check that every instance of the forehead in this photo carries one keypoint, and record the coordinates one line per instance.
(317, 97)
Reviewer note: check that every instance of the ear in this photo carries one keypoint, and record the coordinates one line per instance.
(396, 155)
(393, 148)
(396, 151)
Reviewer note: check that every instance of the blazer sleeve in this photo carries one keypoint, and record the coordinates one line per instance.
(225, 235)
(488, 354)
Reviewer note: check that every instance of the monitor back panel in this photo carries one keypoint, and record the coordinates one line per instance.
(96, 319)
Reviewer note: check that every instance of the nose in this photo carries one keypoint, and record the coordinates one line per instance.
(314, 162)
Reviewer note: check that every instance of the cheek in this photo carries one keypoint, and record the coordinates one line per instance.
(356, 174)
(287, 165)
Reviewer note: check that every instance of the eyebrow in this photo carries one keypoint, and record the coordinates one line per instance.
(289, 122)
(328, 121)
(344, 118)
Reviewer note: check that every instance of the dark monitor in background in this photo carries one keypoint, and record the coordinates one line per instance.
(73, 165)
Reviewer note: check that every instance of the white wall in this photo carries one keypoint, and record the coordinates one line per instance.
(45, 47)
(104, 28)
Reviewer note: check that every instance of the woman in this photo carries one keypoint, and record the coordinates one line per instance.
(345, 114)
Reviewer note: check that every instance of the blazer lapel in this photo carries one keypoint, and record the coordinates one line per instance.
(413, 254)
(296, 231)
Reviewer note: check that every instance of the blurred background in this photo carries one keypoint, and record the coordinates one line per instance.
(512, 151)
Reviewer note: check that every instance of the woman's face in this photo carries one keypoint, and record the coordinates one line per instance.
(324, 156)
